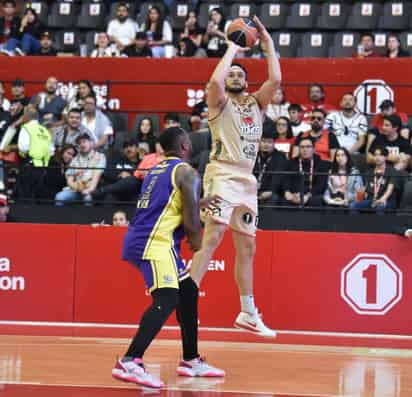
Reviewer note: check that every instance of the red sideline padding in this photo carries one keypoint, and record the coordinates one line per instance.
(303, 281)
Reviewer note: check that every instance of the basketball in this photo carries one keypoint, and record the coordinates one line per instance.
(243, 32)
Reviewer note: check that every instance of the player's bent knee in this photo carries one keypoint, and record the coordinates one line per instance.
(213, 236)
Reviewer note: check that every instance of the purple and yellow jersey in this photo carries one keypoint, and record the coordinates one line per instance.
(156, 230)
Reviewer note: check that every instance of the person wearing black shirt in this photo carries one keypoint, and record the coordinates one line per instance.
(314, 172)
(140, 48)
(46, 45)
(399, 149)
(269, 161)
(19, 102)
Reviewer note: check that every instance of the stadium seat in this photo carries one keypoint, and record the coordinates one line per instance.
(67, 41)
(332, 16)
(63, 15)
(185, 121)
(155, 122)
(242, 10)
(119, 138)
(406, 41)
(119, 121)
(364, 16)
(273, 15)
(91, 41)
(395, 16)
(204, 11)
(132, 9)
(302, 16)
(344, 45)
(41, 9)
(380, 40)
(178, 13)
(286, 43)
(314, 45)
(92, 15)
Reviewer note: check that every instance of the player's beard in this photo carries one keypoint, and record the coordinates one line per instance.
(235, 90)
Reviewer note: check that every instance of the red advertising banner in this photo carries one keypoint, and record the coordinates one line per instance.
(163, 85)
(37, 272)
(303, 281)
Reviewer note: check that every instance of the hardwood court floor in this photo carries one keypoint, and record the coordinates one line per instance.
(43, 366)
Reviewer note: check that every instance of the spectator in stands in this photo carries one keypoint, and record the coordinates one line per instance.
(103, 47)
(146, 134)
(149, 161)
(122, 30)
(140, 48)
(344, 180)
(325, 142)
(199, 118)
(366, 47)
(120, 182)
(399, 150)
(18, 102)
(387, 108)
(4, 102)
(158, 30)
(380, 185)
(4, 208)
(119, 219)
(394, 48)
(68, 133)
(46, 45)
(349, 126)
(317, 101)
(278, 106)
(55, 177)
(269, 161)
(36, 148)
(85, 175)
(308, 181)
(186, 48)
(9, 22)
(295, 116)
(48, 101)
(25, 40)
(97, 123)
(192, 30)
(5, 121)
(84, 89)
(284, 139)
(214, 39)
(170, 120)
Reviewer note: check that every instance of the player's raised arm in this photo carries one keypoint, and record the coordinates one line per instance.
(216, 96)
(187, 179)
(265, 94)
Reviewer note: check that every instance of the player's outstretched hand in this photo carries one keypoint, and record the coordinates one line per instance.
(264, 36)
(210, 202)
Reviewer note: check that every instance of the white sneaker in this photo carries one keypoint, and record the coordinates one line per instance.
(254, 324)
(135, 372)
(199, 367)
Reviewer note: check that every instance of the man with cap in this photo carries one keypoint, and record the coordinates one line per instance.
(84, 174)
(140, 48)
(46, 45)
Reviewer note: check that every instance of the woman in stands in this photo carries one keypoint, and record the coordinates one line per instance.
(215, 38)
(158, 30)
(192, 30)
(146, 134)
(26, 39)
(279, 106)
(103, 48)
(394, 48)
(284, 139)
(344, 181)
(85, 89)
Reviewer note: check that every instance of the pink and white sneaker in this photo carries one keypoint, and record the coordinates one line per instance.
(135, 372)
(199, 367)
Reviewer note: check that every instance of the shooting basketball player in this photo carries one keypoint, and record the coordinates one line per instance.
(235, 120)
(167, 209)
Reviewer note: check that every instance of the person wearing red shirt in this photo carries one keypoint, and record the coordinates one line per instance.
(317, 101)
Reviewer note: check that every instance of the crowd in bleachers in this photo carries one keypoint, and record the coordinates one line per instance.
(311, 155)
(105, 28)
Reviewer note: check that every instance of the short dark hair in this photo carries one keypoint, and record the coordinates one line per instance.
(320, 86)
(319, 110)
(395, 120)
(241, 67)
(366, 34)
(306, 139)
(141, 36)
(129, 142)
(75, 110)
(172, 116)
(91, 96)
(295, 106)
(123, 4)
(170, 138)
(382, 149)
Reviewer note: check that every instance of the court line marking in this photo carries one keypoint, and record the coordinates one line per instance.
(207, 329)
(172, 388)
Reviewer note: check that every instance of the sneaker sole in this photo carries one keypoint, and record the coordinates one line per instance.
(119, 375)
(254, 331)
(206, 375)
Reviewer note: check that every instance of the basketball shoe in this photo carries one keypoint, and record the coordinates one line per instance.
(199, 367)
(253, 323)
(135, 372)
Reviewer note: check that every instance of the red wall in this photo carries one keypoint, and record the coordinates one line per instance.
(160, 85)
(73, 273)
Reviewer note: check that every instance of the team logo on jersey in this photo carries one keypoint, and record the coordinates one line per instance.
(248, 218)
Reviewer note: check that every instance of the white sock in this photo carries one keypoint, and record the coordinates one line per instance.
(247, 304)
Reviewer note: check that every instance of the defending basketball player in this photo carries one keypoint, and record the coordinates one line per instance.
(167, 209)
(235, 120)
